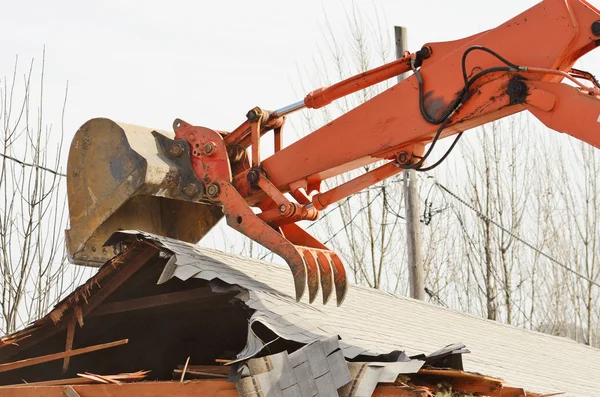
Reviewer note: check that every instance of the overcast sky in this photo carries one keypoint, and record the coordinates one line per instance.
(148, 62)
(207, 62)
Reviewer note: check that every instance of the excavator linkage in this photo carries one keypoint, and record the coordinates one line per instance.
(180, 184)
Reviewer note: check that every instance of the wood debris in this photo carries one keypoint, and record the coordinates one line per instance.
(87, 379)
(115, 379)
(184, 369)
(119, 378)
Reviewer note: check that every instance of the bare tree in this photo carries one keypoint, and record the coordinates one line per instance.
(33, 266)
(365, 228)
(580, 223)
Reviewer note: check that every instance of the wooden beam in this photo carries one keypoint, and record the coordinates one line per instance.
(54, 382)
(57, 356)
(193, 388)
(148, 302)
(126, 377)
(69, 342)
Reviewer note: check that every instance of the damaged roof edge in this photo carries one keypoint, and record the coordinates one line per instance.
(370, 323)
(373, 323)
(183, 269)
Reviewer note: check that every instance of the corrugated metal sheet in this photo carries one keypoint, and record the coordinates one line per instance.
(372, 322)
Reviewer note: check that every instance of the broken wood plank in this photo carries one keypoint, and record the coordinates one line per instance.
(126, 377)
(184, 369)
(54, 382)
(99, 378)
(57, 356)
(148, 302)
(69, 342)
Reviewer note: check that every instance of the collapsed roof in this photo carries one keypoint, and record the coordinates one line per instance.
(169, 300)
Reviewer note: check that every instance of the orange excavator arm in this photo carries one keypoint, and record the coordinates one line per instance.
(455, 86)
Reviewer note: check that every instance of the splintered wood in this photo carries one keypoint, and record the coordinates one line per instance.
(115, 379)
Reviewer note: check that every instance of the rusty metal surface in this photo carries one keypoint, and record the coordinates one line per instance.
(119, 177)
(373, 322)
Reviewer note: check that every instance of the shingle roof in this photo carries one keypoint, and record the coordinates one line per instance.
(373, 322)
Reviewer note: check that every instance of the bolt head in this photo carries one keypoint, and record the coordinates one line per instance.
(282, 208)
(191, 190)
(176, 150)
(403, 158)
(192, 137)
(213, 190)
(516, 88)
(253, 176)
(596, 28)
(209, 148)
(252, 115)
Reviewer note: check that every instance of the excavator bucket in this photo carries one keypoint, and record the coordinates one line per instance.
(124, 176)
(176, 185)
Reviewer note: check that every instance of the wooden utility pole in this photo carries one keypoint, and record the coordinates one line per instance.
(416, 276)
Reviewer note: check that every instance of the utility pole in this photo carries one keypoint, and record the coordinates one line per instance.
(416, 275)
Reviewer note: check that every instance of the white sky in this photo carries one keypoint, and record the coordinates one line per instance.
(207, 62)
(148, 62)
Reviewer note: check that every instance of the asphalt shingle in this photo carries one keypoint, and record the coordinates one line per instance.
(374, 322)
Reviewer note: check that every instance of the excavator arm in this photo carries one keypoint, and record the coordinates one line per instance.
(524, 64)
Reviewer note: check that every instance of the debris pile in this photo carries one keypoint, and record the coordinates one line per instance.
(166, 318)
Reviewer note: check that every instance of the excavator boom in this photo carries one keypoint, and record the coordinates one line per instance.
(181, 184)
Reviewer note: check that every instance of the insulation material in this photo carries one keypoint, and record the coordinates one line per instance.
(366, 376)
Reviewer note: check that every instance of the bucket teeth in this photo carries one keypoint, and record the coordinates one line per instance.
(331, 267)
(312, 273)
(299, 270)
(326, 275)
(339, 278)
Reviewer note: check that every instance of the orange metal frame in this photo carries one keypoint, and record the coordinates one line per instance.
(540, 46)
